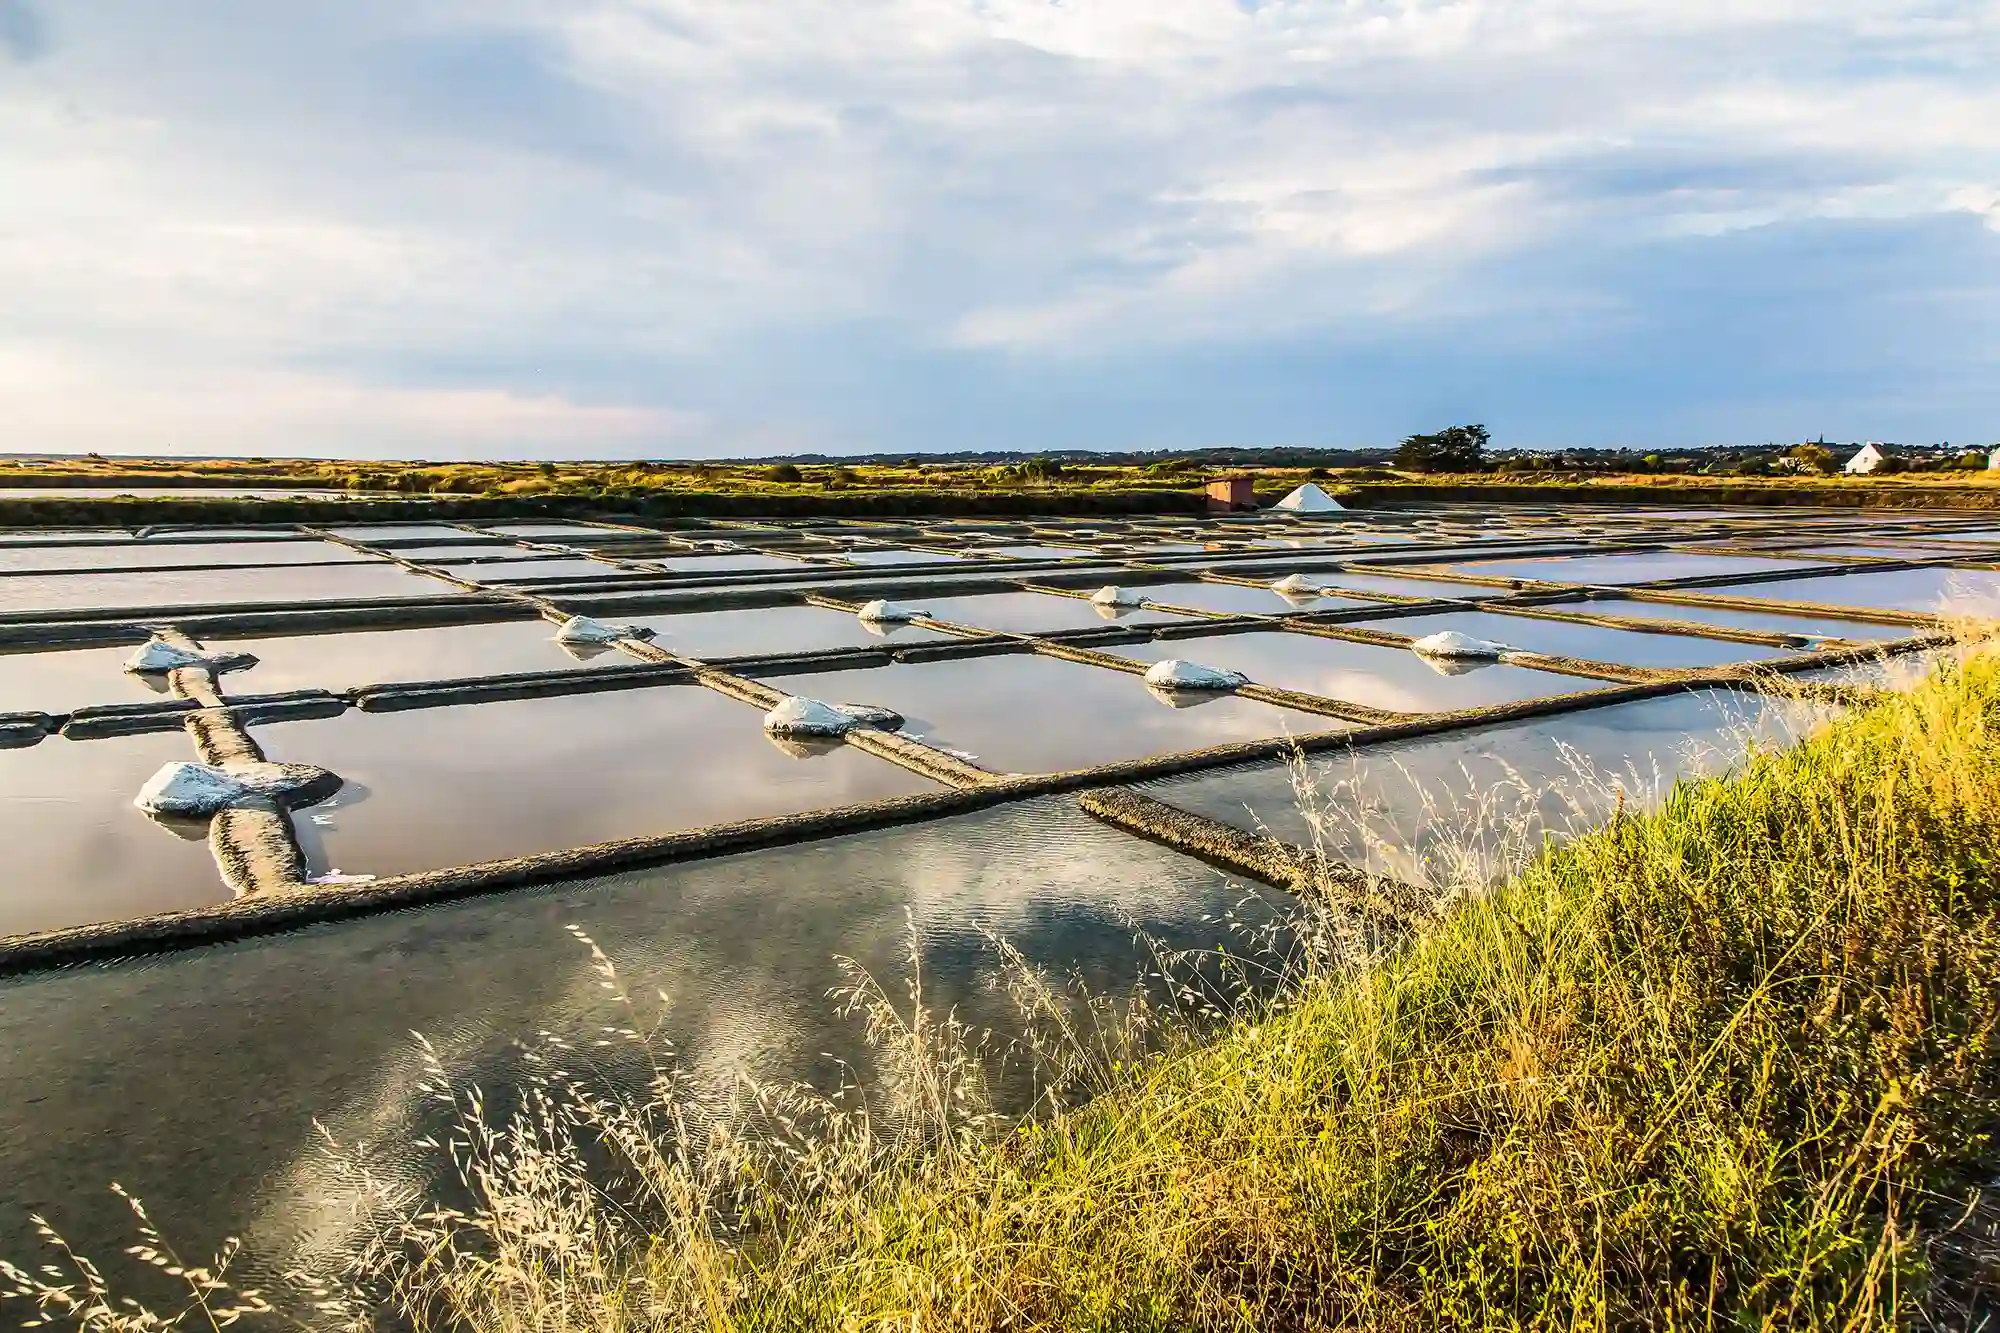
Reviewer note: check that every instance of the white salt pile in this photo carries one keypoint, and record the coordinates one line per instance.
(889, 613)
(1451, 643)
(797, 715)
(582, 629)
(203, 789)
(158, 656)
(1113, 595)
(1295, 585)
(1309, 499)
(1175, 674)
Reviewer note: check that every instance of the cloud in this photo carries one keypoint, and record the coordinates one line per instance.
(23, 34)
(1020, 211)
(78, 405)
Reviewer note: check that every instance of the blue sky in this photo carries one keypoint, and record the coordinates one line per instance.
(441, 228)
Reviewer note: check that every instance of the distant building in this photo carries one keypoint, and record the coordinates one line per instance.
(1867, 460)
(1993, 461)
(1229, 494)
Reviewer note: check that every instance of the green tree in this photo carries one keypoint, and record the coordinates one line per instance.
(787, 473)
(1457, 449)
(1815, 456)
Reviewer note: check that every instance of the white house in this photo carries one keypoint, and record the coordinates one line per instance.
(1993, 461)
(1867, 460)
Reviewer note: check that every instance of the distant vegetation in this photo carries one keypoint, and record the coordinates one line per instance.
(1052, 482)
(1459, 449)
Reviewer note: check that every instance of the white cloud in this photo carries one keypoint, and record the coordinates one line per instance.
(593, 203)
(74, 405)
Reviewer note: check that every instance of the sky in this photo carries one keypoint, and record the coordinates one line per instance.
(700, 228)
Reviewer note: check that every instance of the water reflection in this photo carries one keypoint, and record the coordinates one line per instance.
(478, 782)
(194, 1079)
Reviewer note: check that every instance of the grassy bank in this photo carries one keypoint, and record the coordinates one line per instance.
(1731, 1065)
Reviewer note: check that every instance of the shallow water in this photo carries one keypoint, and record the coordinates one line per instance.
(1640, 567)
(194, 1078)
(520, 571)
(53, 680)
(449, 786)
(333, 583)
(1391, 678)
(1770, 622)
(1417, 808)
(1892, 552)
(151, 553)
(351, 658)
(741, 562)
(1237, 599)
(1405, 587)
(1038, 612)
(1023, 713)
(466, 553)
(1921, 590)
(78, 851)
(1585, 641)
(778, 629)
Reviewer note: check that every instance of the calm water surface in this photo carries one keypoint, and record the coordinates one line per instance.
(194, 1078)
(78, 851)
(437, 787)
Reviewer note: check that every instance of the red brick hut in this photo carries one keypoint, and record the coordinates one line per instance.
(1231, 494)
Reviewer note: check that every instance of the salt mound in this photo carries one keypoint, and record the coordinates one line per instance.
(1309, 499)
(157, 656)
(204, 789)
(889, 613)
(797, 715)
(1296, 585)
(1113, 595)
(1451, 643)
(582, 629)
(1174, 674)
(189, 789)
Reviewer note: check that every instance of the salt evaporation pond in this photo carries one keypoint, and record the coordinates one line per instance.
(195, 1079)
(193, 1076)
(448, 786)
(78, 852)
